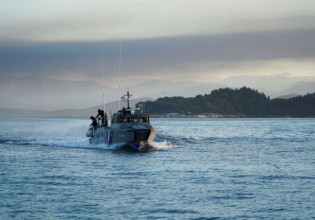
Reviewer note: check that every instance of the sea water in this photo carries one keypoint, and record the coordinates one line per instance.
(197, 169)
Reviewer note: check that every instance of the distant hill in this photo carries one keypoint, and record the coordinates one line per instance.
(239, 102)
(292, 95)
(87, 112)
(301, 88)
(159, 88)
(227, 102)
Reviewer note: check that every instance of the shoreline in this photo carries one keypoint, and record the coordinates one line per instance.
(214, 115)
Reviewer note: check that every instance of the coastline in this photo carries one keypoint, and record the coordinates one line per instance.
(215, 115)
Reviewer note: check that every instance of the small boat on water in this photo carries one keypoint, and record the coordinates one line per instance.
(129, 128)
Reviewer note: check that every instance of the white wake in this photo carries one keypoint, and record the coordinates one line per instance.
(162, 145)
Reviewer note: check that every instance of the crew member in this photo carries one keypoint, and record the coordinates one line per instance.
(124, 110)
(94, 122)
(102, 115)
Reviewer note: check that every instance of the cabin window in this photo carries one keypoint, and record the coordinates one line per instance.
(119, 120)
(130, 119)
(134, 119)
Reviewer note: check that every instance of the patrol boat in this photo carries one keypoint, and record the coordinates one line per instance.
(130, 128)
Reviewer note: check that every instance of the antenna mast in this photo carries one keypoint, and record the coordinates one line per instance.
(103, 80)
(119, 72)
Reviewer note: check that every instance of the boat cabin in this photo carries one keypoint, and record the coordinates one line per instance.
(130, 116)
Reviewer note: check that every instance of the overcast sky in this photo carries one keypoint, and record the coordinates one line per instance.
(194, 40)
(87, 20)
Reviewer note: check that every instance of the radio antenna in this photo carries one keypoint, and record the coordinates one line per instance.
(103, 80)
(119, 73)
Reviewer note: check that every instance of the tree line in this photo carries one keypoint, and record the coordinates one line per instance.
(227, 101)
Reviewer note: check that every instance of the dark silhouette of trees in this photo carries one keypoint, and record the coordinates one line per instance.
(301, 106)
(243, 101)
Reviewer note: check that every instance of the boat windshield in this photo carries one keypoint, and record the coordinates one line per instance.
(130, 119)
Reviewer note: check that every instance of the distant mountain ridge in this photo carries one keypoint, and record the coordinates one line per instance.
(289, 96)
(41, 93)
(86, 112)
(301, 88)
(227, 101)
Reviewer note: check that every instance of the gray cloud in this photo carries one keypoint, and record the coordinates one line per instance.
(45, 46)
(122, 19)
(148, 57)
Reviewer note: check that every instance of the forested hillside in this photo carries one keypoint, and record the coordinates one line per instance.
(244, 101)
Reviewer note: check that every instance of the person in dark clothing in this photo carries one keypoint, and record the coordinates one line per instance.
(100, 113)
(94, 122)
(103, 116)
(124, 110)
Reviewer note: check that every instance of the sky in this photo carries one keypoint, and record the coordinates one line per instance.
(53, 53)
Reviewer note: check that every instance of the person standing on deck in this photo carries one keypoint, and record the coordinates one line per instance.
(94, 122)
(103, 116)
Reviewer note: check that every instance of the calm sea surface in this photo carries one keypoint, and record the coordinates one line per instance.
(199, 169)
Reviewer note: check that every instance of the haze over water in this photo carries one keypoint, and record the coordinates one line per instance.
(53, 53)
(198, 169)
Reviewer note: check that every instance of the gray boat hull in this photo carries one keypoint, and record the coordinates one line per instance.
(137, 139)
